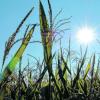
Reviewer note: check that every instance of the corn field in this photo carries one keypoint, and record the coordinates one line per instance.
(52, 78)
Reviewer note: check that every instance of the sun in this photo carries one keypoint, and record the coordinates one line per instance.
(85, 35)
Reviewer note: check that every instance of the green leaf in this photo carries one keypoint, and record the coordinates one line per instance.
(11, 39)
(12, 64)
(45, 33)
(87, 69)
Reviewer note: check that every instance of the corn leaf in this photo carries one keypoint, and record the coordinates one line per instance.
(87, 69)
(45, 33)
(11, 39)
(12, 64)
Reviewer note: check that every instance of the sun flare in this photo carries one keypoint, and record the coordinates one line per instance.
(85, 35)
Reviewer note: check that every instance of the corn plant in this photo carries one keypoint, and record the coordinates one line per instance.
(63, 83)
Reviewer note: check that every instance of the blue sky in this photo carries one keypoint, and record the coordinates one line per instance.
(83, 12)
